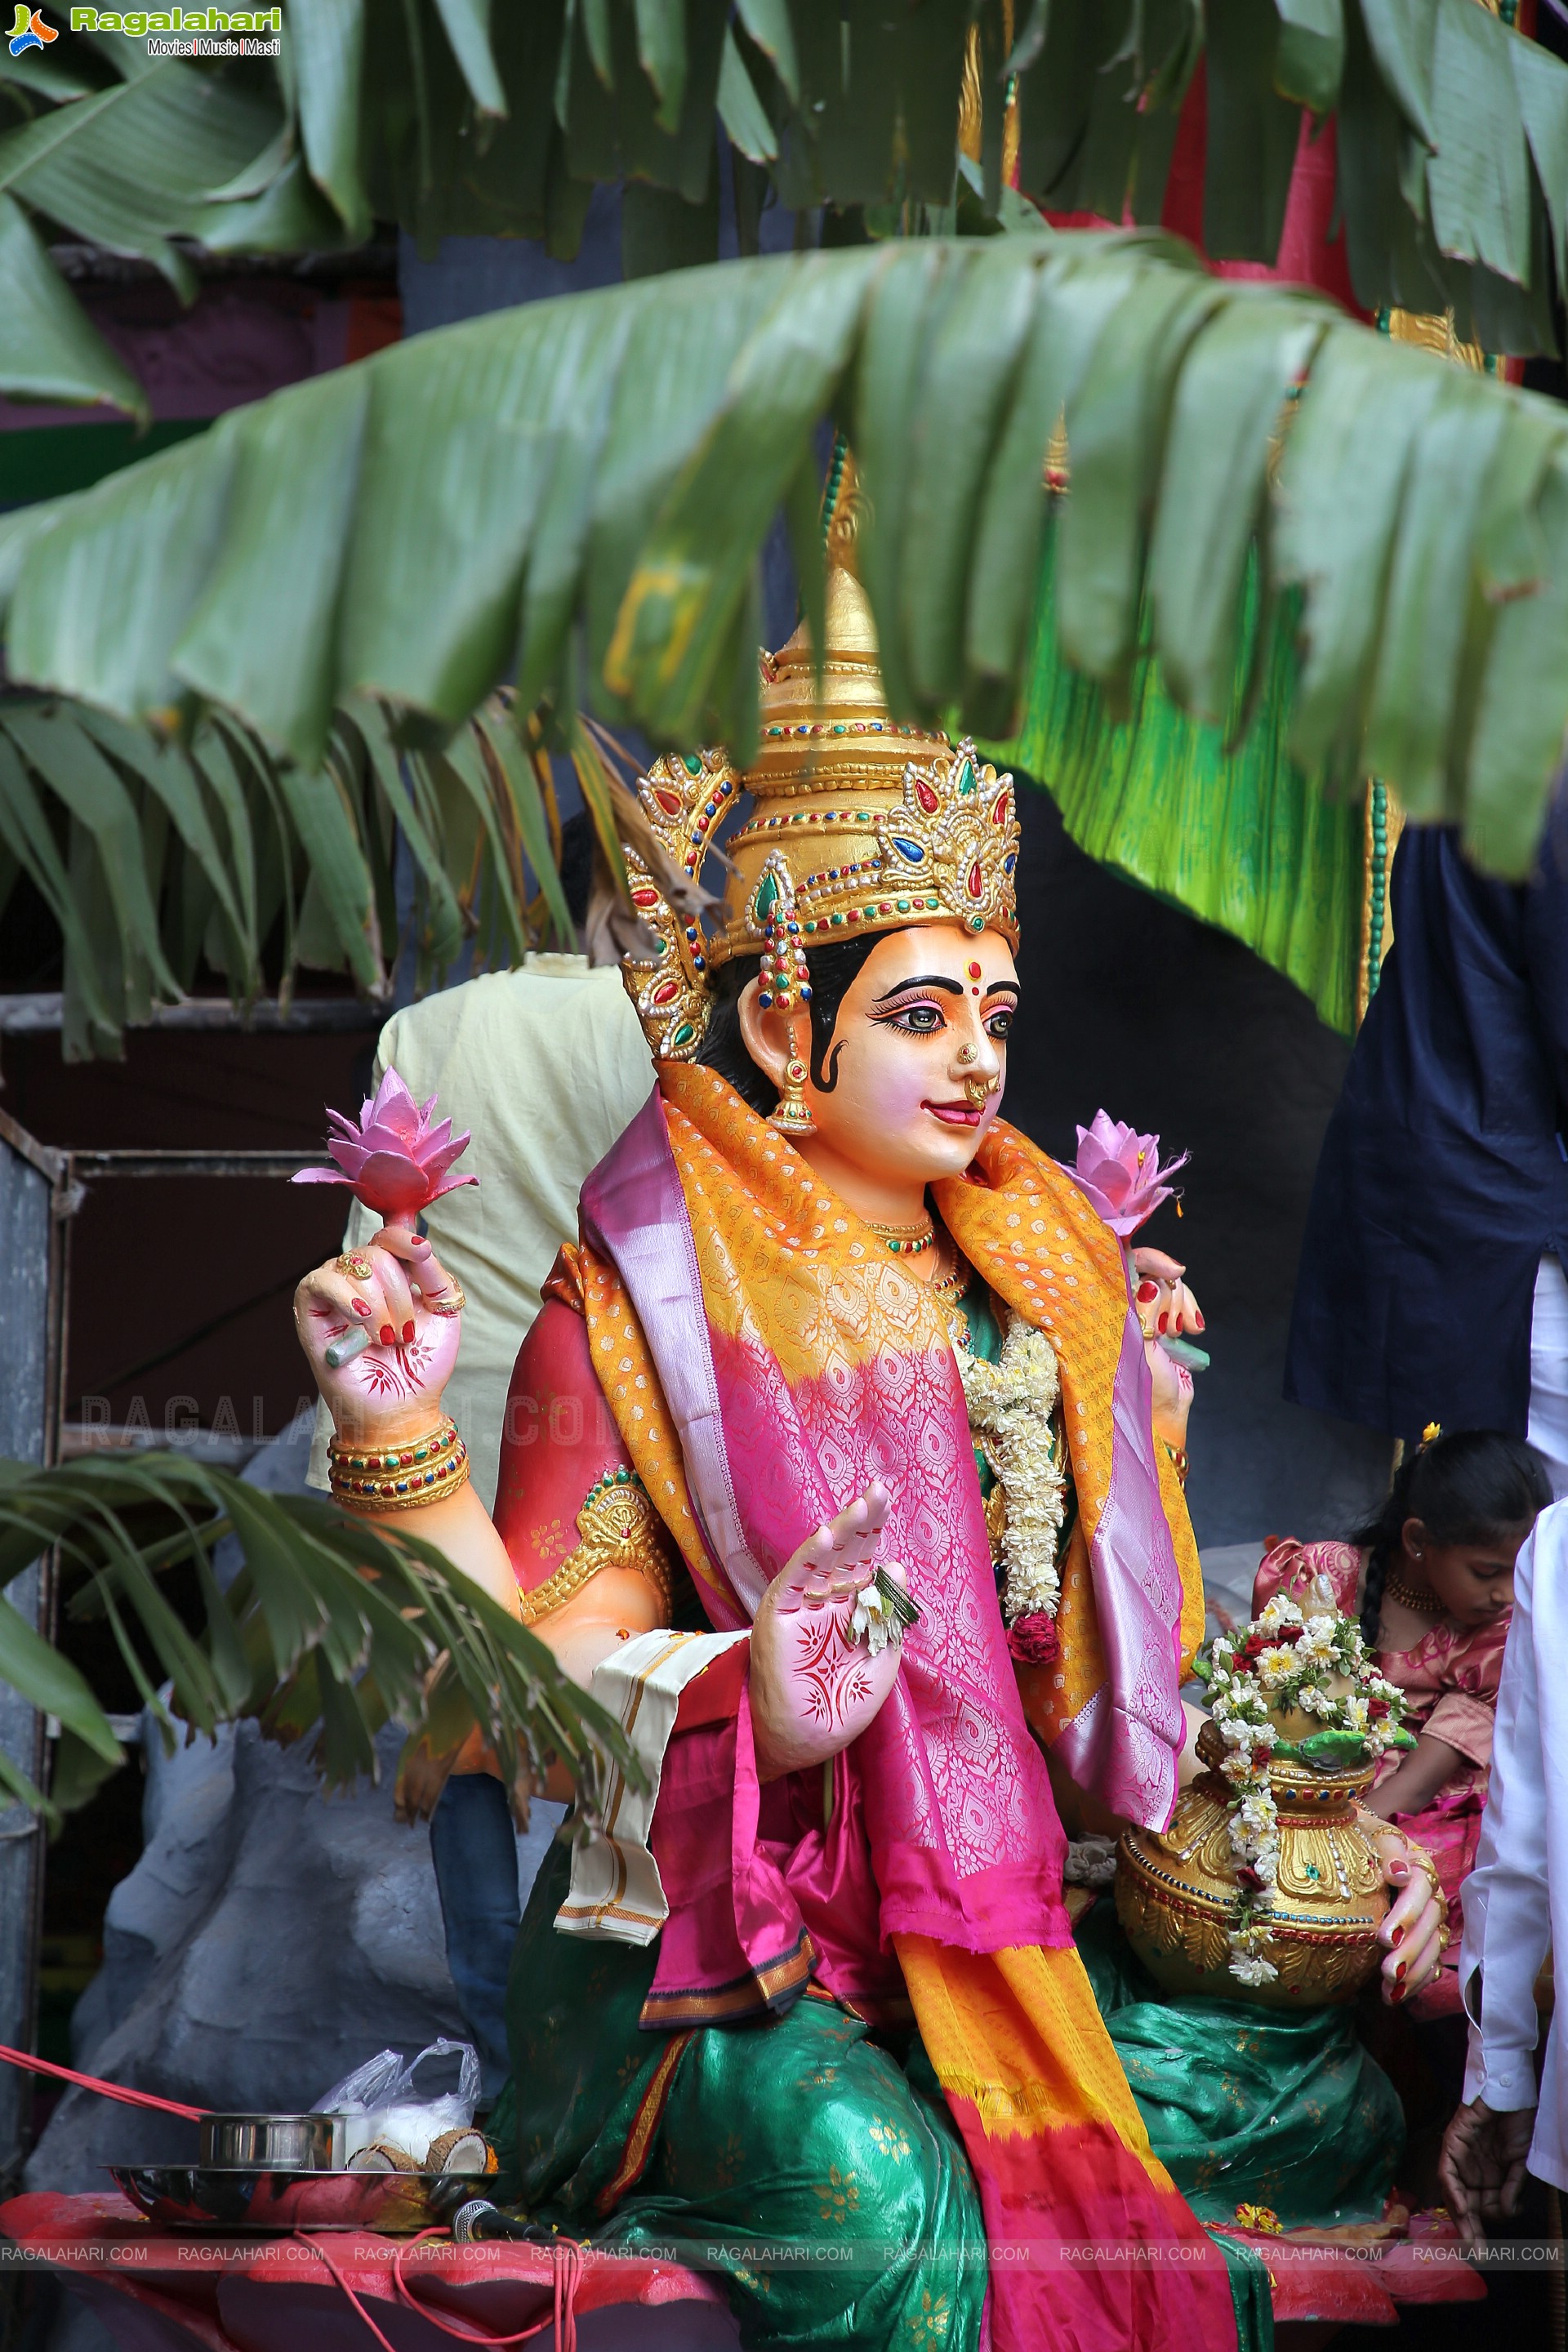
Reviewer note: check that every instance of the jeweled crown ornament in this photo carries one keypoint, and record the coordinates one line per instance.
(873, 826)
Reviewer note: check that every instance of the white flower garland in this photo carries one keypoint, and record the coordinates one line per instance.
(1284, 1659)
(1010, 1405)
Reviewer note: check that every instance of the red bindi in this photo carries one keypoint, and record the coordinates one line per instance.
(975, 971)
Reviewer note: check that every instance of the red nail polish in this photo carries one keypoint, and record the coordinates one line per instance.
(1399, 1972)
(388, 1335)
(359, 1307)
(1199, 1321)
(1164, 1322)
(1180, 1324)
(407, 1331)
(1398, 1937)
(1146, 1291)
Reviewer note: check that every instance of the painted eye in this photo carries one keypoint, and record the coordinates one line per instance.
(923, 1019)
(998, 1025)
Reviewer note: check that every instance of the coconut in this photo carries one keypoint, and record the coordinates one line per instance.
(461, 2151)
(382, 2155)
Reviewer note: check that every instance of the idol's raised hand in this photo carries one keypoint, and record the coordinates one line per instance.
(816, 1680)
(1166, 1309)
(396, 1291)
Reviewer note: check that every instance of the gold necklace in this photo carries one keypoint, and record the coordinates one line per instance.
(1422, 1601)
(905, 1241)
(953, 1283)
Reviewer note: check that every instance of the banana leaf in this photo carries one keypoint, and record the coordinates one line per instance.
(1408, 527)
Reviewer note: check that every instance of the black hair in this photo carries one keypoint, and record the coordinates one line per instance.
(833, 972)
(1464, 1489)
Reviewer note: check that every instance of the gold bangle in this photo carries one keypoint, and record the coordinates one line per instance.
(404, 1493)
(400, 1478)
(450, 1301)
(409, 1454)
(408, 1494)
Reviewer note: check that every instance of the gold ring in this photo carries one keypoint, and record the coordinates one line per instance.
(450, 1301)
(356, 1266)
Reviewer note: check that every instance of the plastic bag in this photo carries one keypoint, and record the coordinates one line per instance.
(381, 2105)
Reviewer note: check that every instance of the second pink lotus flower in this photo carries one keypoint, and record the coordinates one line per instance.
(1120, 1173)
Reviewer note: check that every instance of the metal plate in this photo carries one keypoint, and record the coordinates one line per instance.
(244, 2199)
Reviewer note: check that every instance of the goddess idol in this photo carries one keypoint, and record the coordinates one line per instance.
(808, 2001)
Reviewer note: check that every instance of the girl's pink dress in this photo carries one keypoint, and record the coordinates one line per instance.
(1450, 1685)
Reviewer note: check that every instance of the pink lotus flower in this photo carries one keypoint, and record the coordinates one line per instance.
(1119, 1174)
(394, 1160)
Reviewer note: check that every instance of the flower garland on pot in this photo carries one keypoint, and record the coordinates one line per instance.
(1283, 1660)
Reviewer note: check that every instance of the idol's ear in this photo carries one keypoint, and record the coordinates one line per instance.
(768, 1036)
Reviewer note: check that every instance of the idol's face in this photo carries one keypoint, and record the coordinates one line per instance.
(914, 1073)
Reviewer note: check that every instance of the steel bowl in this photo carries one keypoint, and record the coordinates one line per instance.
(272, 2143)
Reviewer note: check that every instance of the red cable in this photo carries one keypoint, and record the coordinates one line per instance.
(105, 2090)
(317, 2248)
(566, 2264)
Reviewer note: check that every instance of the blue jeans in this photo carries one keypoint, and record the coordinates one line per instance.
(474, 1848)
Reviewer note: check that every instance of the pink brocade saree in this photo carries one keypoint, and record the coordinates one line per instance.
(765, 1358)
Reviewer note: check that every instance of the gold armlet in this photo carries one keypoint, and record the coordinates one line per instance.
(619, 1529)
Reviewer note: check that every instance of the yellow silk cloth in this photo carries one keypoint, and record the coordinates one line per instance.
(1018, 2037)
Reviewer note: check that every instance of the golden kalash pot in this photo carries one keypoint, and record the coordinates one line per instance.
(1177, 1893)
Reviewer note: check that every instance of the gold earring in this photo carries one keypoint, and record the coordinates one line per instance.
(791, 1117)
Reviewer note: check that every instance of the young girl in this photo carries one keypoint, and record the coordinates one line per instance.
(1431, 1578)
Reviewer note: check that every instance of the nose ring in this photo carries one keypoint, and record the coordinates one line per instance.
(965, 1054)
(979, 1091)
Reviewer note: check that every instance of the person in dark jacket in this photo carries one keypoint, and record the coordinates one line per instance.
(1431, 1283)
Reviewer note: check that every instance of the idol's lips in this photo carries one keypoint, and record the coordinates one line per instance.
(955, 1114)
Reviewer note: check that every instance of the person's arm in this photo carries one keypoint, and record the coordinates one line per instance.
(1546, 946)
(1507, 1919)
(1507, 1929)
(1413, 1784)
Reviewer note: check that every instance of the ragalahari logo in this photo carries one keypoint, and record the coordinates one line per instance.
(31, 31)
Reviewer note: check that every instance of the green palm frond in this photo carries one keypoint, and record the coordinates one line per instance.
(159, 855)
(579, 493)
(452, 117)
(336, 1626)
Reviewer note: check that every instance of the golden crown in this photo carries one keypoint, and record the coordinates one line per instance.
(857, 824)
